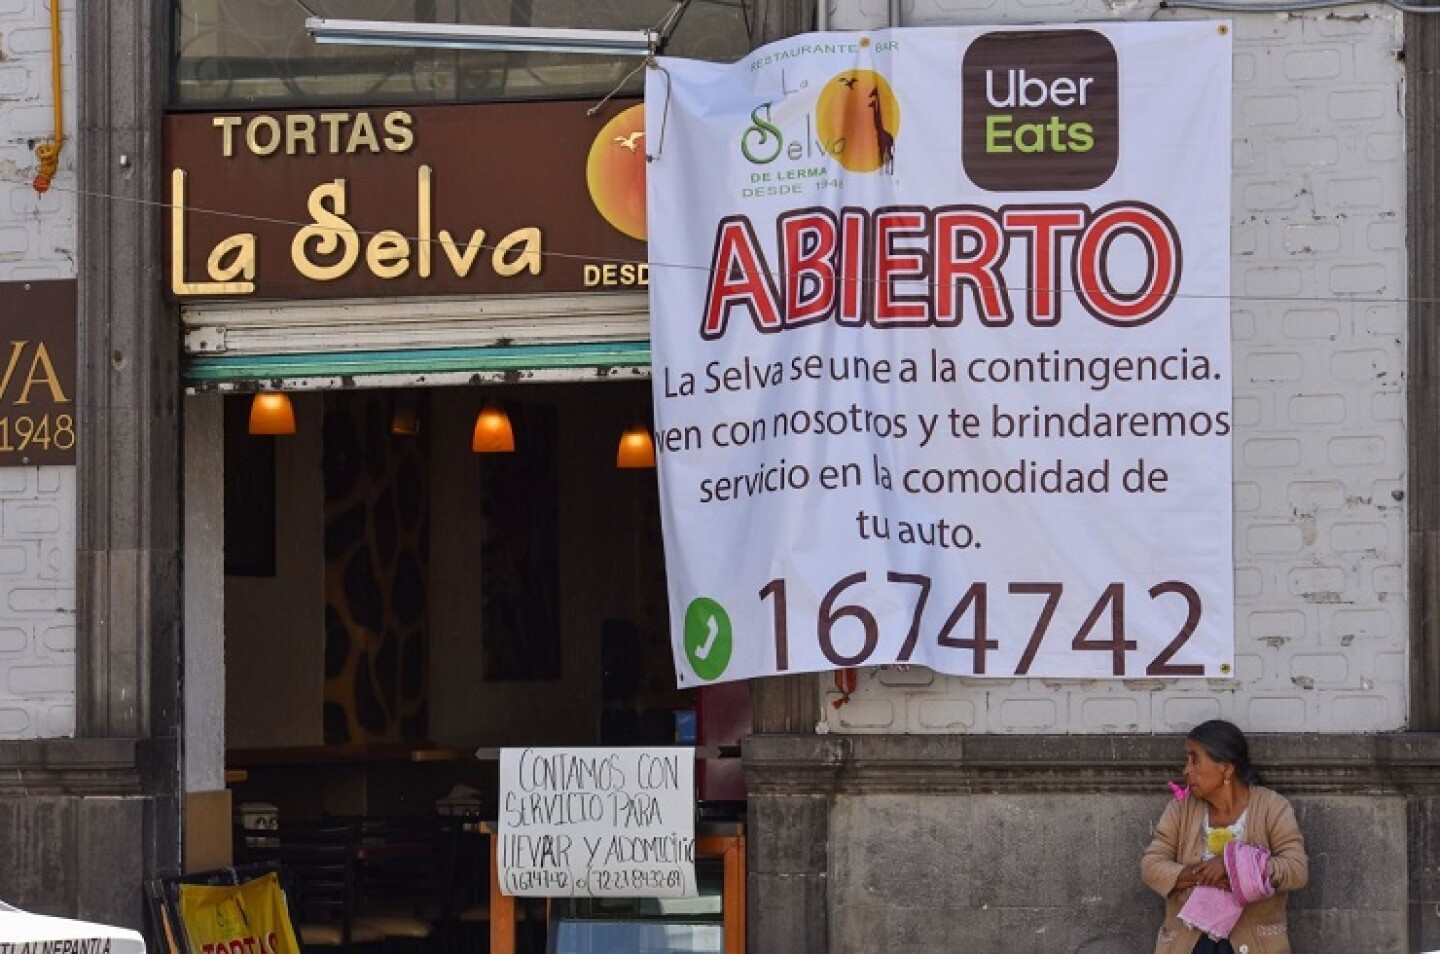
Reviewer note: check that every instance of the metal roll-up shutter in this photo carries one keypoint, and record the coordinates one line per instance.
(403, 342)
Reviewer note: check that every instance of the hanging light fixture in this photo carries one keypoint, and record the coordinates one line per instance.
(637, 449)
(493, 434)
(271, 414)
(405, 419)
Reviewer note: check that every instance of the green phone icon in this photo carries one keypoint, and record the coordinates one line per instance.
(708, 641)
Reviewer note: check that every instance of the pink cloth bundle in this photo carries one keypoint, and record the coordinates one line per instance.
(1216, 911)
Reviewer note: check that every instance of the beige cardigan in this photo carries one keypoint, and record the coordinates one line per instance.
(1179, 841)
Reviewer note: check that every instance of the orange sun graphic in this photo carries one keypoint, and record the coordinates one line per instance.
(615, 172)
(858, 120)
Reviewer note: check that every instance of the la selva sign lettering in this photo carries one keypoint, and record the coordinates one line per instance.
(37, 373)
(504, 199)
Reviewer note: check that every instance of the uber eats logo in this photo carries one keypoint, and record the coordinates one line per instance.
(1041, 110)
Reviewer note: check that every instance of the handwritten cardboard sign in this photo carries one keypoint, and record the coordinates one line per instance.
(597, 822)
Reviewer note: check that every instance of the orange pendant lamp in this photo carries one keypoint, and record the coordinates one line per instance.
(405, 418)
(271, 414)
(493, 434)
(637, 449)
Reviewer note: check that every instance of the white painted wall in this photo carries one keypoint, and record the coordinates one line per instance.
(1318, 201)
(37, 504)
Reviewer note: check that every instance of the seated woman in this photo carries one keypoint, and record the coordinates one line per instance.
(1223, 801)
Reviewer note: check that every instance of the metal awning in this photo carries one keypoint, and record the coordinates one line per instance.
(405, 342)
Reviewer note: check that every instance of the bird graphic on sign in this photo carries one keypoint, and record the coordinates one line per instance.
(629, 142)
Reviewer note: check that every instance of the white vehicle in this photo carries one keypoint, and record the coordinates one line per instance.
(21, 931)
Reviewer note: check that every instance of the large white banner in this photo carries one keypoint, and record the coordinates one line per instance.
(941, 352)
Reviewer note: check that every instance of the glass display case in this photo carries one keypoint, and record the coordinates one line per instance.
(644, 925)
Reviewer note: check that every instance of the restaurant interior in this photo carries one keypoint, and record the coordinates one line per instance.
(415, 579)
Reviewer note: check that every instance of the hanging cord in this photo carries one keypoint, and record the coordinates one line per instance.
(1288, 6)
(846, 681)
(1340, 299)
(664, 114)
(662, 31)
(49, 152)
(619, 86)
(672, 23)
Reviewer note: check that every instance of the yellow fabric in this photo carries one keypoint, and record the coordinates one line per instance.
(250, 918)
(1219, 838)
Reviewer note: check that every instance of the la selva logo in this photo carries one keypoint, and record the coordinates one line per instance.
(1041, 110)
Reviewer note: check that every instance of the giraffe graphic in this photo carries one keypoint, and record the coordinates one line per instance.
(884, 141)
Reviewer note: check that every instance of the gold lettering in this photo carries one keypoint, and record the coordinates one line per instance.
(423, 188)
(329, 233)
(333, 122)
(506, 264)
(16, 347)
(362, 133)
(271, 125)
(388, 254)
(226, 125)
(459, 261)
(49, 378)
(178, 284)
(299, 128)
(401, 137)
(243, 263)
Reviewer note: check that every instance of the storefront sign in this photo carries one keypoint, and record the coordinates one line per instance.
(941, 352)
(597, 822)
(37, 373)
(505, 199)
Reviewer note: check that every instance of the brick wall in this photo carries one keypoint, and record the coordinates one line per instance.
(37, 504)
(1318, 203)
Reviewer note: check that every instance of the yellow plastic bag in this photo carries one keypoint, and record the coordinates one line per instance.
(250, 918)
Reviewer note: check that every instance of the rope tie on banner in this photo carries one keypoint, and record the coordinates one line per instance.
(661, 31)
(649, 60)
(664, 115)
(846, 681)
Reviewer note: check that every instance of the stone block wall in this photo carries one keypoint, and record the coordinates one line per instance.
(1061, 873)
(37, 504)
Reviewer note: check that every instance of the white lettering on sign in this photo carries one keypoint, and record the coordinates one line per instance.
(597, 822)
(94, 945)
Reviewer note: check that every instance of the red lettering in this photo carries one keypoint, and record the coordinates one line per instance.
(808, 239)
(1162, 276)
(852, 279)
(976, 269)
(738, 277)
(894, 264)
(907, 267)
(1043, 228)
